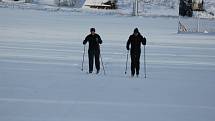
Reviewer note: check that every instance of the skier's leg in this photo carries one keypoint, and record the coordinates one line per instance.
(97, 61)
(90, 56)
(132, 64)
(137, 63)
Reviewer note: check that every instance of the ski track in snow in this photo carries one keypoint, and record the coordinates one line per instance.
(117, 104)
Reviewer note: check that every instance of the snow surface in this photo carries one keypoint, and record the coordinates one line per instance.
(41, 77)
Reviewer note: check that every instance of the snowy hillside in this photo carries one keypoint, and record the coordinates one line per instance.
(146, 7)
(41, 78)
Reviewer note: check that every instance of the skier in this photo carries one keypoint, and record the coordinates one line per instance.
(135, 40)
(93, 50)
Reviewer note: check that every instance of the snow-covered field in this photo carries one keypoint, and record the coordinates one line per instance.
(41, 77)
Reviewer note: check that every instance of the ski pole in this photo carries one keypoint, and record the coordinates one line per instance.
(82, 66)
(144, 61)
(102, 64)
(101, 60)
(126, 65)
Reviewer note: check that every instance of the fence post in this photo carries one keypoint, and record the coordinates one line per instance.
(198, 20)
(179, 24)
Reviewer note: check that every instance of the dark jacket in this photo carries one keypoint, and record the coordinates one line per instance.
(135, 42)
(94, 41)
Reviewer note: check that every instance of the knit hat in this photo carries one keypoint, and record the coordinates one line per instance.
(136, 30)
(92, 29)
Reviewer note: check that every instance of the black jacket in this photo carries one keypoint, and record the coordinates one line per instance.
(135, 42)
(94, 41)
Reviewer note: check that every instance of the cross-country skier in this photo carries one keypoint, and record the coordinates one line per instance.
(135, 40)
(94, 49)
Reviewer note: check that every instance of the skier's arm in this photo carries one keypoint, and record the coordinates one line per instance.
(86, 40)
(99, 40)
(128, 43)
(143, 40)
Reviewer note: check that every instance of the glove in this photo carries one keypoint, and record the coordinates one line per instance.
(84, 43)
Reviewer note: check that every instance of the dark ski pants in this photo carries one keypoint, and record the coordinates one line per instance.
(135, 63)
(91, 55)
